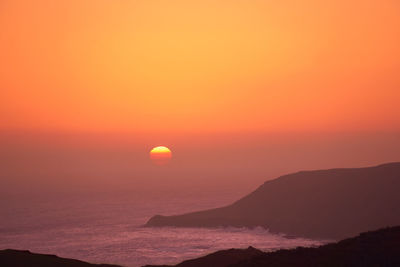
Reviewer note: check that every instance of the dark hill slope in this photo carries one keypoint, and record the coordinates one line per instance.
(335, 203)
(220, 258)
(24, 258)
(378, 249)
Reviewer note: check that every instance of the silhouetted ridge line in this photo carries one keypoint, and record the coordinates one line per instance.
(333, 204)
(377, 248)
(25, 258)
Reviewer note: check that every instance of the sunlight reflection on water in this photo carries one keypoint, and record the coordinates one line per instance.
(109, 231)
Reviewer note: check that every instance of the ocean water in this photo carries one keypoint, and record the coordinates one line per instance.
(107, 228)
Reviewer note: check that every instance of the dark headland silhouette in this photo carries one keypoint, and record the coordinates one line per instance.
(379, 248)
(327, 204)
(24, 258)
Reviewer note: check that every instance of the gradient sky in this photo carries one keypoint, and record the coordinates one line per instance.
(199, 65)
(291, 83)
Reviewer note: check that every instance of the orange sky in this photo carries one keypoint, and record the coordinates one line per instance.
(203, 66)
(240, 91)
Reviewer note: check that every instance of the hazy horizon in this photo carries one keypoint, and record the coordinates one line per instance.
(45, 162)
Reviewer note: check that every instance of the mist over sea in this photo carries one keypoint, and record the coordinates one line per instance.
(107, 227)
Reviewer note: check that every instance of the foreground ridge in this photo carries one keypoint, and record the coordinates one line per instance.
(379, 248)
(25, 258)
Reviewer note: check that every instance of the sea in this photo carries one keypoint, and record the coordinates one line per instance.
(108, 227)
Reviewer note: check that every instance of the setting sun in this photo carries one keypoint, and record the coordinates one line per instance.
(160, 155)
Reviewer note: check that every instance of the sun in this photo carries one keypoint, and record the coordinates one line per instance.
(160, 155)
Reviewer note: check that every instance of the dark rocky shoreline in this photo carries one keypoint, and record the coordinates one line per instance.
(379, 248)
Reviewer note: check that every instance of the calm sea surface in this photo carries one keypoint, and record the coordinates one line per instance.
(106, 228)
